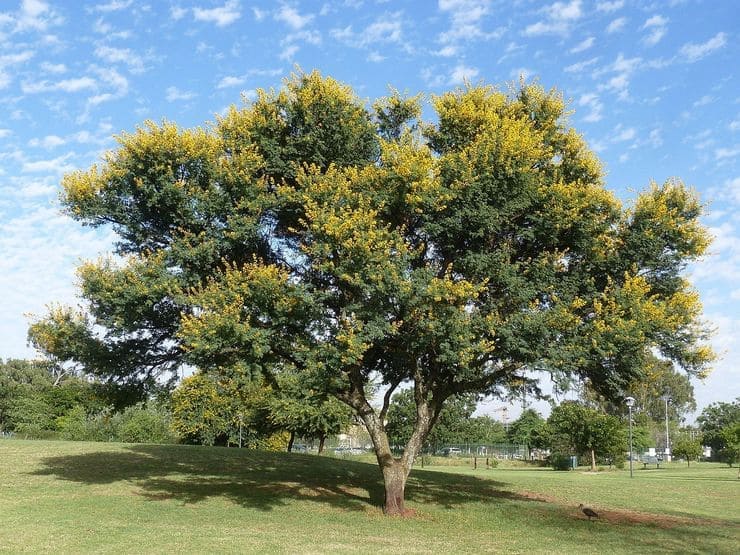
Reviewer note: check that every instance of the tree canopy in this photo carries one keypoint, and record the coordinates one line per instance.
(305, 233)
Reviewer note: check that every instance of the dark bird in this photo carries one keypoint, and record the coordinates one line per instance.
(590, 513)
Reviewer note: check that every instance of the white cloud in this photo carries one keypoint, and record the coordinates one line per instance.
(559, 17)
(174, 94)
(231, 81)
(703, 101)
(66, 85)
(259, 15)
(580, 66)
(609, 7)
(657, 27)
(223, 16)
(722, 153)
(734, 125)
(616, 25)
(595, 106)
(5, 133)
(177, 13)
(17, 58)
(462, 73)
(385, 29)
(48, 142)
(622, 134)
(57, 165)
(292, 18)
(35, 15)
(583, 45)
(121, 55)
(694, 52)
(53, 68)
(112, 6)
(288, 52)
(655, 138)
(466, 20)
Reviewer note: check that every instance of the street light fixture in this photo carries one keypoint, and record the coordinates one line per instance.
(630, 401)
(667, 450)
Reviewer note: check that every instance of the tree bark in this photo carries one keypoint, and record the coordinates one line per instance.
(290, 441)
(593, 461)
(322, 439)
(394, 479)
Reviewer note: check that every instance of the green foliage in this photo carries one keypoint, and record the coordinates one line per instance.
(306, 413)
(527, 429)
(136, 424)
(713, 420)
(455, 424)
(34, 394)
(686, 448)
(577, 429)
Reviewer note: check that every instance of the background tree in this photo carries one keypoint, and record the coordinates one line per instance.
(306, 413)
(684, 447)
(303, 234)
(579, 429)
(33, 395)
(526, 429)
(455, 425)
(713, 420)
(731, 451)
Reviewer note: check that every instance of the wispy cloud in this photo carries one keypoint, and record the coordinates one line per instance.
(580, 66)
(609, 7)
(462, 73)
(292, 18)
(593, 103)
(231, 81)
(466, 21)
(616, 25)
(583, 45)
(112, 6)
(223, 16)
(558, 19)
(66, 85)
(657, 27)
(121, 56)
(693, 52)
(385, 29)
(175, 94)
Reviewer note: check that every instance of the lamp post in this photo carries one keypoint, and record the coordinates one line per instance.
(667, 450)
(630, 401)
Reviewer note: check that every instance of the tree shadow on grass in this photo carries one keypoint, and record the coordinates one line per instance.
(264, 481)
(261, 480)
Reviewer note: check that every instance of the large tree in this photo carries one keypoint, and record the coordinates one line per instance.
(305, 234)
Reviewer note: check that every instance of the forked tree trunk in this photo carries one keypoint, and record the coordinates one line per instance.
(322, 439)
(395, 470)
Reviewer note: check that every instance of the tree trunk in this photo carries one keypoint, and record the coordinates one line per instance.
(290, 441)
(593, 461)
(322, 439)
(394, 479)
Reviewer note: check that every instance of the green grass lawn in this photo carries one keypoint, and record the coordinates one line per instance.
(66, 497)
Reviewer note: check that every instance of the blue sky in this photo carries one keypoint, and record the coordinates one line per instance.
(654, 87)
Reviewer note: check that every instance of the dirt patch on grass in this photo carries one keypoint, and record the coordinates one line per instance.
(625, 516)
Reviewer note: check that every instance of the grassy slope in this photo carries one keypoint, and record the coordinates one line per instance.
(113, 498)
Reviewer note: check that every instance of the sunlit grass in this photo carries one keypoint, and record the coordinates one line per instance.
(111, 498)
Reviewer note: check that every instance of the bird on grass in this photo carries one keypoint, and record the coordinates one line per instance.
(589, 512)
